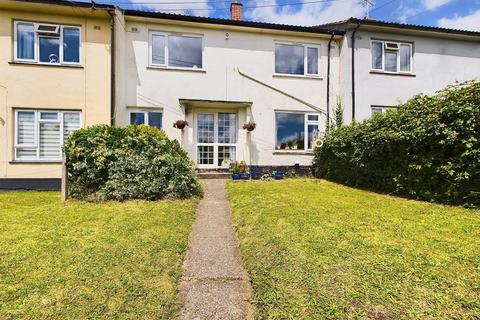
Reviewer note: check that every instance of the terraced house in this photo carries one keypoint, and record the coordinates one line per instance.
(65, 65)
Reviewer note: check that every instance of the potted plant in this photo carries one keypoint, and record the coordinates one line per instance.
(243, 170)
(249, 126)
(235, 171)
(180, 124)
(256, 175)
(278, 175)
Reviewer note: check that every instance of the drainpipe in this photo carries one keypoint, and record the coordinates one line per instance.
(353, 71)
(328, 79)
(112, 14)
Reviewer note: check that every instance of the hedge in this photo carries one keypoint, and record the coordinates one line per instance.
(134, 162)
(429, 149)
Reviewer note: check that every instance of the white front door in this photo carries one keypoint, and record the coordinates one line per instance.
(216, 135)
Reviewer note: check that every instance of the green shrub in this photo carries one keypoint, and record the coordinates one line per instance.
(428, 149)
(135, 162)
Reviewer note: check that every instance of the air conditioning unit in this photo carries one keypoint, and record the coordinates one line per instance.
(51, 29)
(391, 46)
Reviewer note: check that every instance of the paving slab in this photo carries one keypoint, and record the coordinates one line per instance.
(214, 285)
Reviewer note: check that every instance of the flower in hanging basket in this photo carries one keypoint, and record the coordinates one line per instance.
(180, 124)
(250, 126)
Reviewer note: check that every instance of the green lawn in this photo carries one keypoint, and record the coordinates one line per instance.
(320, 250)
(83, 260)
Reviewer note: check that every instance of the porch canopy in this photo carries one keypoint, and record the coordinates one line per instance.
(213, 104)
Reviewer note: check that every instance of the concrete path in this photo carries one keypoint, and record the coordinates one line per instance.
(215, 285)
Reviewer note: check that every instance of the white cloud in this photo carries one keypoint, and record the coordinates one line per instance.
(196, 9)
(468, 22)
(434, 4)
(307, 14)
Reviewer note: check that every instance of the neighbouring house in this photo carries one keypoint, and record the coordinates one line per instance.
(54, 78)
(59, 72)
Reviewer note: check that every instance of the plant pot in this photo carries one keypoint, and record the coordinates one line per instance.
(278, 175)
(245, 176)
(256, 175)
(236, 176)
(180, 124)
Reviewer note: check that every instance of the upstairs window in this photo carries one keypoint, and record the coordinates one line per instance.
(380, 109)
(152, 118)
(40, 134)
(177, 51)
(389, 56)
(297, 59)
(47, 43)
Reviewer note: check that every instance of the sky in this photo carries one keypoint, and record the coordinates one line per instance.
(456, 14)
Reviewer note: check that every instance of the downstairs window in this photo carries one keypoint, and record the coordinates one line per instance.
(296, 131)
(150, 118)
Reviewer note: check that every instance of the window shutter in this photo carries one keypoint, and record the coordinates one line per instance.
(49, 140)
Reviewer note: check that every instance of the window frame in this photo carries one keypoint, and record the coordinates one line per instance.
(399, 44)
(36, 43)
(306, 123)
(382, 108)
(167, 35)
(37, 121)
(145, 116)
(305, 59)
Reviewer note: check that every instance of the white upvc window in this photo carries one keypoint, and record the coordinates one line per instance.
(297, 59)
(182, 51)
(47, 43)
(40, 134)
(380, 109)
(149, 118)
(296, 130)
(392, 56)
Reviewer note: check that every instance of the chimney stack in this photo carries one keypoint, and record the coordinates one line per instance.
(236, 10)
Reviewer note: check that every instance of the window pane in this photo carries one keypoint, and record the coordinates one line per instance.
(206, 128)
(71, 45)
(289, 59)
(376, 110)
(184, 52)
(290, 130)
(49, 115)
(312, 134)
(312, 117)
(391, 61)
(25, 41)
(226, 153)
(155, 119)
(26, 128)
(377, 56)
(49, 49)
(405, 53)
(227, 123)
(26, 154)
(158, 49)
(137, 118)
(312, 60)
(205, 155)
(49, 140)
(71, 122)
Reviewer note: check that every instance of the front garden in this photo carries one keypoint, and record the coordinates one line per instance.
(319, 250)
(79, 260)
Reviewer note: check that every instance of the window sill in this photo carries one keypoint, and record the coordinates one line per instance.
(177, 69)
(296, 152)
(297, 76)
(26, 63)
(35, 162)
(401, 74)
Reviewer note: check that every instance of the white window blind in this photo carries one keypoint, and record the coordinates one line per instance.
(41, 134)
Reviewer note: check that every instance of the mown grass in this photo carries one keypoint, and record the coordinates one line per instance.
(320, 250)
(85, 260)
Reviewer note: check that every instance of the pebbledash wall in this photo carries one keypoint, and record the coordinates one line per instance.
(238, 66)
(84, 88)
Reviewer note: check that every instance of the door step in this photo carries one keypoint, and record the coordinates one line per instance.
(213, 173)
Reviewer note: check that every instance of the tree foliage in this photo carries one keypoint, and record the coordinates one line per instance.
(134, 162)
(428, 149)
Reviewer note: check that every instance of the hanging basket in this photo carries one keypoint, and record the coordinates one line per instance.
(250, 126)
(180, 124)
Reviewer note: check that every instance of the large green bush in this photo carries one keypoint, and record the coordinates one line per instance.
(428, 149)
(134, 162)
